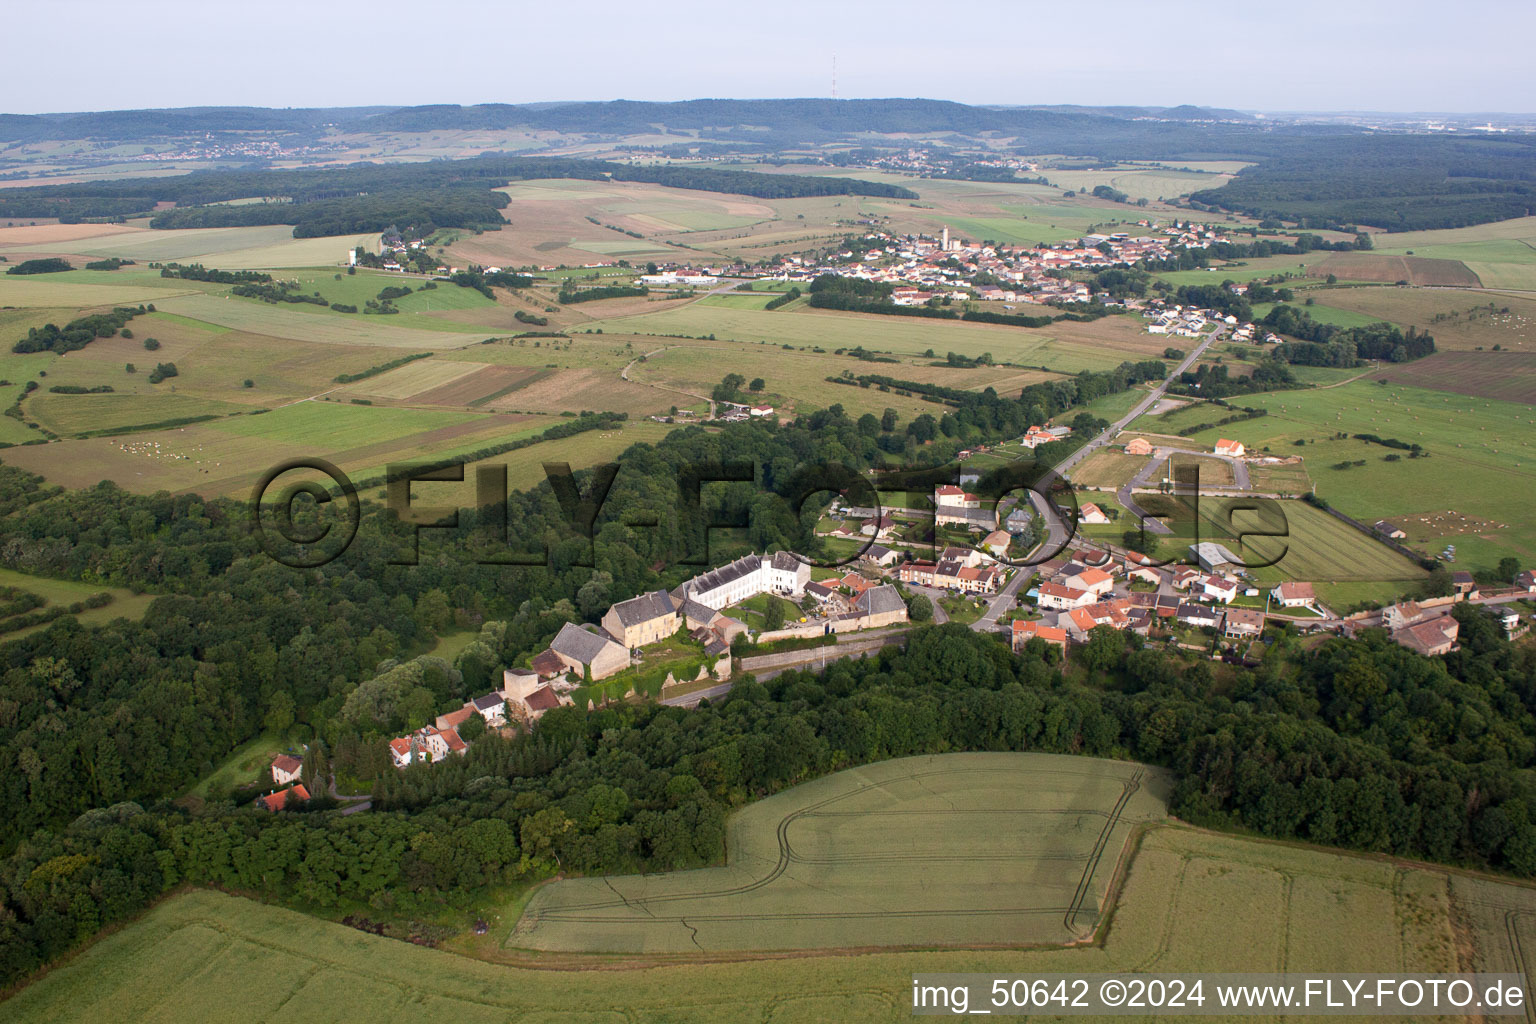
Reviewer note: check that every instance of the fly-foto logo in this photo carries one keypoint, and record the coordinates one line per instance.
(307, 523)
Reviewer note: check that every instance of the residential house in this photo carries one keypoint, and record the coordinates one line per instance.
(1186, 576)
(643, 620)
(950, 496)
(280, 799)
(286, 769)
(492, 707)
(882, 555)
(881, 606)
(997, 542)
(402, 751)
(1401, 615)
(1430, 637)
(1243, 622)
(454, 719)
(1294, 595)
(1095, 581)
(1138, 446)
(973, 518)
(1147, 574)
(1232, 448)
(583, 650)
(1222, 588)
(1092, 514)
(1054, 595)
(1018, 520)
(1526, 580)
(1192, 614)
(820, 592)
(879, 527)
(920, 573)
(1024, 631)
(855, 583)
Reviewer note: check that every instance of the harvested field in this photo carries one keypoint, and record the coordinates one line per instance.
(483, 386)
(227, 248)
(1107, 468)
(263, 318)
(578, 388)
(1417, 270)
(1016, 848)
(413, 378)
(1508, 376)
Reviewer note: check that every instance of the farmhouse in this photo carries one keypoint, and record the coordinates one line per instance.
(1431, 637)
(1232, 448)
(582, 649)
(642, 620)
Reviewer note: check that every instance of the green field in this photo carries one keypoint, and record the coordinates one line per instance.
(225, 248)
(1321, 313)
(1016, 848)
(1501, 254)
(125, 604)
(416, 332)
(1471, 442)
(1064, 347)
(1192, 901)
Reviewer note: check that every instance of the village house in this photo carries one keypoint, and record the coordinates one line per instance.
(492, 707)
(1232, 448)
(1463, 584)
(821, 593)
(286, 769)
(1092, 515)
(881, 555)
(582, 650)
(281, 799)
(879, 527)
(920, 573)
(642, 620)
(880, 606)
(1430, 637)
(974, 518)
(1095, 581)
(1192, 614)
(454, 719)
(1060, 598)
(1294, 595)
(1400, 615)
(1222, 588)
(1025, 630)
(954, 497)
(1242, 622)
(997, 542)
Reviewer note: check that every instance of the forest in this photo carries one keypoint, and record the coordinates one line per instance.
(371, 197)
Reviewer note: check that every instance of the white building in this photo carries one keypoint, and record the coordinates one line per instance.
(779, 573)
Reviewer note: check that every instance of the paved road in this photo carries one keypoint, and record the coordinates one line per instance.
(1125, 494)
(1005, 599)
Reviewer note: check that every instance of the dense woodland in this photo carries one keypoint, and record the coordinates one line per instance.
(370, 197)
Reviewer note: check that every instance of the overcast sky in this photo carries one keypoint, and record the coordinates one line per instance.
(1298, 55)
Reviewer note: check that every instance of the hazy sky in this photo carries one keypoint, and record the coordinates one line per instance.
(1296, 55)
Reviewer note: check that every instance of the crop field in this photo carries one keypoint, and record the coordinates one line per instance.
(1501, 254)
(1247, 270)
(993, 848)
(1470, 441)
(1064, 347)
(1507, 376)
(799, 379)
(42, 291)
(414, 378)
(1416, 270)
(68, 415)
(423, 331)
(1192, 901)
(226, 248)
(1107, 467)
(1140, 181)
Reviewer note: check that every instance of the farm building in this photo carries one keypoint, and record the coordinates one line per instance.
(1138, 446)
(1232, 448)
(642, 620)
(582, 649)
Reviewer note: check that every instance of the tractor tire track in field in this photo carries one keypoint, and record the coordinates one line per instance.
(593, 912)
(1085, 882)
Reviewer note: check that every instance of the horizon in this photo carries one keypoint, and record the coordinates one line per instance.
(1372, 56)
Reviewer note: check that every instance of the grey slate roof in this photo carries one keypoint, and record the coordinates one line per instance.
(786, 562)
(744, 566)
(691, 609)
(879, 600)
(487, 702)
(575, 642)
(644, 608)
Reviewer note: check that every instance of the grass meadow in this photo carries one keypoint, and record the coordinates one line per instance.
(1470, 441)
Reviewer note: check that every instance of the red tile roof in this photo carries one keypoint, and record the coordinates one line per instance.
(277, 801)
